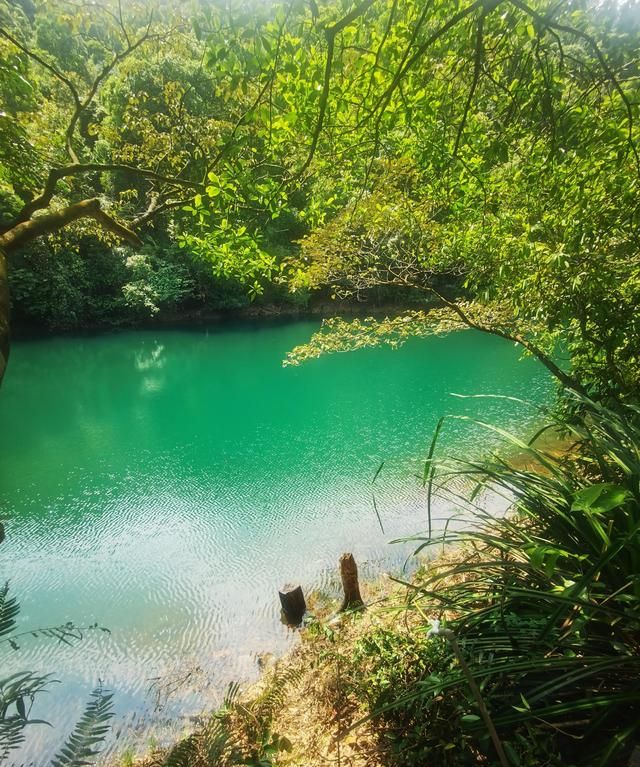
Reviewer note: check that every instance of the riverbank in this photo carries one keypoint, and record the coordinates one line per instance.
(324, 701)
(305, 710)
(199, 316)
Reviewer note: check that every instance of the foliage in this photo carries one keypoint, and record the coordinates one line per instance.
(233, 253)
(516, 176)
(84, 742)
(355, 129)
(84, 284)
(152, 286)
(239, 732)
(544, 604)
(339, 335)
(386, 665)
(384, 238)
(63, 285)
(18, 693)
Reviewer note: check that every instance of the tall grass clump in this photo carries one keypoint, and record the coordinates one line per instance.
(541, 607)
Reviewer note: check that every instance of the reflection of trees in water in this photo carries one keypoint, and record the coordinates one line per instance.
(90, 379)
(150, 358)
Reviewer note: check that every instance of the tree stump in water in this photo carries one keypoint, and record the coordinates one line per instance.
(349, 574)
(1, 532)
(293, 604)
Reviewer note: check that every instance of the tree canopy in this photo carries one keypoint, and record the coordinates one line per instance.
(480, 154)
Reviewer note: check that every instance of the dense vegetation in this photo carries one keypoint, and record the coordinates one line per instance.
(486, 152)
(478, 160)
(542, 605)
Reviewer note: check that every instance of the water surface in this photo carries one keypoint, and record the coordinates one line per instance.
(166, 483)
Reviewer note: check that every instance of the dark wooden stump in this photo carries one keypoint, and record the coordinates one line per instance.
(1, 532)
(349, 574)
(293, 604)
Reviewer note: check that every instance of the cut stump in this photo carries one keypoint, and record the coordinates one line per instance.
(349, 574)
(293, 604)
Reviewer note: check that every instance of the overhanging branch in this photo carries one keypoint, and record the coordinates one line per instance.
(56, 174)
(23, 233)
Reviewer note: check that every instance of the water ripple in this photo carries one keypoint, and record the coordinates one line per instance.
(167, 484)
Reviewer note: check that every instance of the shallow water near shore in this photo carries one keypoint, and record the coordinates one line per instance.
(164, 484)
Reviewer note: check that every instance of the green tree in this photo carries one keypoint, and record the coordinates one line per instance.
(481, 154)
(108, 121)
(496, 141)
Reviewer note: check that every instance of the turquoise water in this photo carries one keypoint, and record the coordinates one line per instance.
(166, 483)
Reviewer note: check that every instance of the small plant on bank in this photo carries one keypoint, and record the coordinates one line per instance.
(239, 733)
(388, 664)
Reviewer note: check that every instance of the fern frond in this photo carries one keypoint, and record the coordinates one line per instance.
(215, 744)
(9, 608)
(85, 741)
(231, 695)
(16, 692)
(184, 753)
(272, 698)
(212, 746)
(219, 744)
(12, 735)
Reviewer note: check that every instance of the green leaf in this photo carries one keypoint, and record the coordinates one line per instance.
(600, 498)
(21, 707)
(469, 720)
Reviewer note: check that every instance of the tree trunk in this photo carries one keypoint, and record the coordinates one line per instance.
(349, 574)
(4, 314)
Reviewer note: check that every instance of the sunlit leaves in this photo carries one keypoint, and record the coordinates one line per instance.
(339, 335)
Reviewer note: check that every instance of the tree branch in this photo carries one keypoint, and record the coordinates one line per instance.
(23, 233)
(564, 378)
(77, 169)
(159, 207)
(330, 34)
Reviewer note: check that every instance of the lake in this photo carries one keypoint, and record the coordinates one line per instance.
(165, 483)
